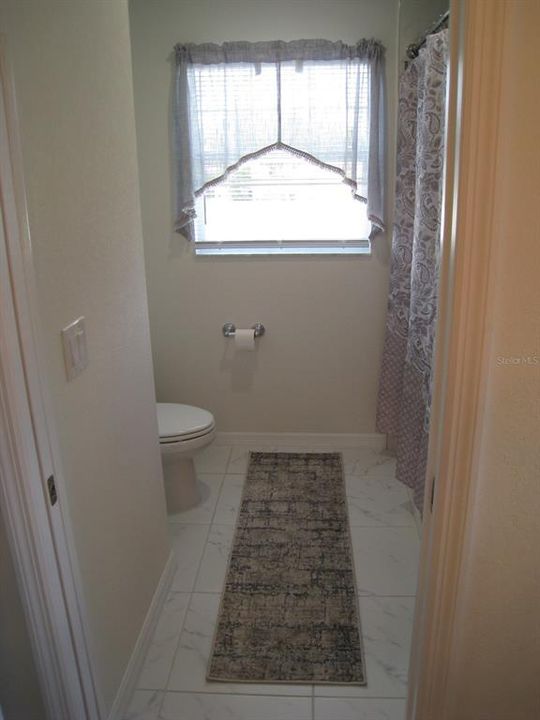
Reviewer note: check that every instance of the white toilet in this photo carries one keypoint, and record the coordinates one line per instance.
(183, 431)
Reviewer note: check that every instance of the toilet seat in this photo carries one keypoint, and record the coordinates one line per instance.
(181, 423)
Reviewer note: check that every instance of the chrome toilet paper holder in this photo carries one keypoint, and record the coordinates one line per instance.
(229, 329)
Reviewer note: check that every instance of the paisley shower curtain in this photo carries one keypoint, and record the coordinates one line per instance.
(406, 375)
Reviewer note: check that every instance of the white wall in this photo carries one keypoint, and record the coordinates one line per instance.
(496, 664)
(317, 368)
(73, 81)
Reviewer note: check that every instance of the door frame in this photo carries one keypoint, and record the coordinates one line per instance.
(461, 370)
(39, 533)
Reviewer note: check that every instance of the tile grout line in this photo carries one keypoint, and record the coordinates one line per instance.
(283, 696)
(228, 459)
(212, 522)
(166, 688)
(218, 592)
(382, 527)
(182, 624)
(196, 577)
(220, 490)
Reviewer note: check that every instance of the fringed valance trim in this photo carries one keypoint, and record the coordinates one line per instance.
(288, 148)
(188, 214)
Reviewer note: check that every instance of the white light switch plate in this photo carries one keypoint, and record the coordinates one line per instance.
(75, 351)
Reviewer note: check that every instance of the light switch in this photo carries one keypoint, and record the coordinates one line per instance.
(75, 351)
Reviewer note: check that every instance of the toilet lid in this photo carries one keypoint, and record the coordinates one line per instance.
(176, 420)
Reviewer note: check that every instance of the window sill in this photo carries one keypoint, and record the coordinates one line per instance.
(362, 247)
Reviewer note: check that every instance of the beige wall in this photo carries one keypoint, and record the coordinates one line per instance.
(20, 694)
(73, 81)
(416, 17)
(317, 368)
(497, 663)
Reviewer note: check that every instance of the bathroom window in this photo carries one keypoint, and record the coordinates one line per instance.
(274, 205)
(279, 146)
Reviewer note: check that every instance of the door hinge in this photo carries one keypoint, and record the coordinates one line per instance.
(51, 487)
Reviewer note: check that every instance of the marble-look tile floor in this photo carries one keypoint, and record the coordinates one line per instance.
(172, 684)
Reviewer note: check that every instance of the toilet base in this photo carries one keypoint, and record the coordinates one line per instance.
(181, 486)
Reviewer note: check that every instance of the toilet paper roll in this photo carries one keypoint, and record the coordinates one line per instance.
(244, 339)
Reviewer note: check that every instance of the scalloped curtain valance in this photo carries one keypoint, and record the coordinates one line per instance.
(319, 99)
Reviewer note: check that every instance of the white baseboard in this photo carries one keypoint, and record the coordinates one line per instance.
(127, 686)
(376, 441)
(416, 514)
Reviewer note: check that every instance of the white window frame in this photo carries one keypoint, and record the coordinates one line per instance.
(283, 247)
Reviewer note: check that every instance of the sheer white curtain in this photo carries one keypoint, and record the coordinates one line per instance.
(318, 99)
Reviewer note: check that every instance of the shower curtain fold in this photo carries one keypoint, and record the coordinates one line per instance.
(404, 400)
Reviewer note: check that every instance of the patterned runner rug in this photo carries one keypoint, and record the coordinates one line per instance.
(289, 611)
